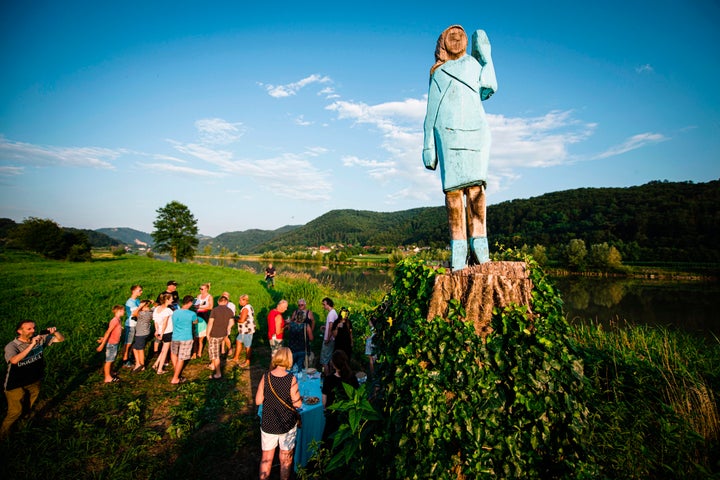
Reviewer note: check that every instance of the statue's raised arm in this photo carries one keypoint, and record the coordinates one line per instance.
(481, 52)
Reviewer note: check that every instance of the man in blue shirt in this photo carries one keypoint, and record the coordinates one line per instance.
(182, 339)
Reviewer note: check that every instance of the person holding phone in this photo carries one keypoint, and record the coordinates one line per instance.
(26, 368)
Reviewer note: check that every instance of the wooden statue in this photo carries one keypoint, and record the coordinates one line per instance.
(457, 137)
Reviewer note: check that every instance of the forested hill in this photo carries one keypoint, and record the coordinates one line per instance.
(244, 242)
(659, 221)
(128, 236)
(419, 226)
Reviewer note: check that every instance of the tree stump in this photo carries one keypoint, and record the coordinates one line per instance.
(479, 289)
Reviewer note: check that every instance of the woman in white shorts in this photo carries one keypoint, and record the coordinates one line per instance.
(279, 396)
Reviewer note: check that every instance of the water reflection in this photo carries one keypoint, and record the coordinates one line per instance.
(688, 306)
(343, 278)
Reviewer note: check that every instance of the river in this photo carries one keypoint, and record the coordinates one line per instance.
(685, 305)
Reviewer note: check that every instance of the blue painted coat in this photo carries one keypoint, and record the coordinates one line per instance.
(457, 135)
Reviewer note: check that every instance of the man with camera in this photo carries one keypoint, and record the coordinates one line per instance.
(26, 368)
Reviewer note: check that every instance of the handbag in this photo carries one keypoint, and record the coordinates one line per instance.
(298, 417)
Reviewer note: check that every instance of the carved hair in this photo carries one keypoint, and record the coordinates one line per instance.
(441, 53)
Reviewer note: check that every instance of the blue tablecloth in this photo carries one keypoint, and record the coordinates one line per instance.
(313, 419)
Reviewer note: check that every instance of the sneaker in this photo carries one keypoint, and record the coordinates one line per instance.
(128, 364)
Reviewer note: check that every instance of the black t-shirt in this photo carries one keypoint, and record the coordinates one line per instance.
(175, 296)
(30, 369)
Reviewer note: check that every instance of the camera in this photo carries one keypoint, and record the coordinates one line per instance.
(44, 331)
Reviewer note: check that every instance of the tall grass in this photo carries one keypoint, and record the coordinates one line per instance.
(655, 413)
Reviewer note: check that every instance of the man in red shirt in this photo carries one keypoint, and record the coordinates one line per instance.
(276, 326)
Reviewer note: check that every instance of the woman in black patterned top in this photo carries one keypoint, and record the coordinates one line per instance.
(278, 392)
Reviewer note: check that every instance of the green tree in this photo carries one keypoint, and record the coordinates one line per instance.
(575, 254)
(50, 240)
(539, 253)
(604, 256)
(175, 231)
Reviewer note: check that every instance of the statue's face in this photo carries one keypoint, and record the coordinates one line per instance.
(456, 42)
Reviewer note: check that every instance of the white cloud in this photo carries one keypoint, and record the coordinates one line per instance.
(375, 169)
(517, 142)
(10, 171)
(216, 131)
(536, 141)
(169, 158)
(38, 155)
(633, 143)
(167, 167)
(281, 91)
(273, 174)
(300, 120)
(647, 68)
(329, 93)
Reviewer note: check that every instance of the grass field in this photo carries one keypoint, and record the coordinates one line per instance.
(142, 427)
(653, 412)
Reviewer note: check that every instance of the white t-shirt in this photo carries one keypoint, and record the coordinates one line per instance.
(159, 318)
(331, 317)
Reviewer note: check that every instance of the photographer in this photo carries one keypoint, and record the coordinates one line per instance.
(26, 368)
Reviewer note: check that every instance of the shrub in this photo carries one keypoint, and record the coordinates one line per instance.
(456, 406)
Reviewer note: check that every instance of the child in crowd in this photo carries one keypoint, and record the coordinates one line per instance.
(111, 341)
(142, 333)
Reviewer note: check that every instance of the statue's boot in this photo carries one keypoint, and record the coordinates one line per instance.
(459, 250)
(480, 248)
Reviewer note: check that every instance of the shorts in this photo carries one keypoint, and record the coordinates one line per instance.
(214, 344)
(369, 347)
(166, 338)
(269, 441)
(201, 328)
(183, 349)
(245, 339)
(111, 351)
(274, 346)
(326, 352)
(129, 335)
(140, 341)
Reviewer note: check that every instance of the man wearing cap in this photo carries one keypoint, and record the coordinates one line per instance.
(172, 290)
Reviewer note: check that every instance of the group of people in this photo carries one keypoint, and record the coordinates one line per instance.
(179, 328)
(278, 390)
(298, 332)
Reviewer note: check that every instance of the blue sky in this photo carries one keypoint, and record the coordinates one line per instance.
(263, 116)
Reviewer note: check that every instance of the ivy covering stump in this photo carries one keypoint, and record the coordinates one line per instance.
(480, 289)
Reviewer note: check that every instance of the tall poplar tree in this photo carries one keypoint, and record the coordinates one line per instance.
(175, 231)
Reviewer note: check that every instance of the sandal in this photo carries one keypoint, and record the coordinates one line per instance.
(141, 368)
(114, 380)
(159, 372)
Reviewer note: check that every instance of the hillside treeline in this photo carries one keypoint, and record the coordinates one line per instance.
(49, 239)
(418, 226)
(659, 221)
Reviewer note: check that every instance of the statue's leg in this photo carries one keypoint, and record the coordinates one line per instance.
(476, 208)
(458, 229)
